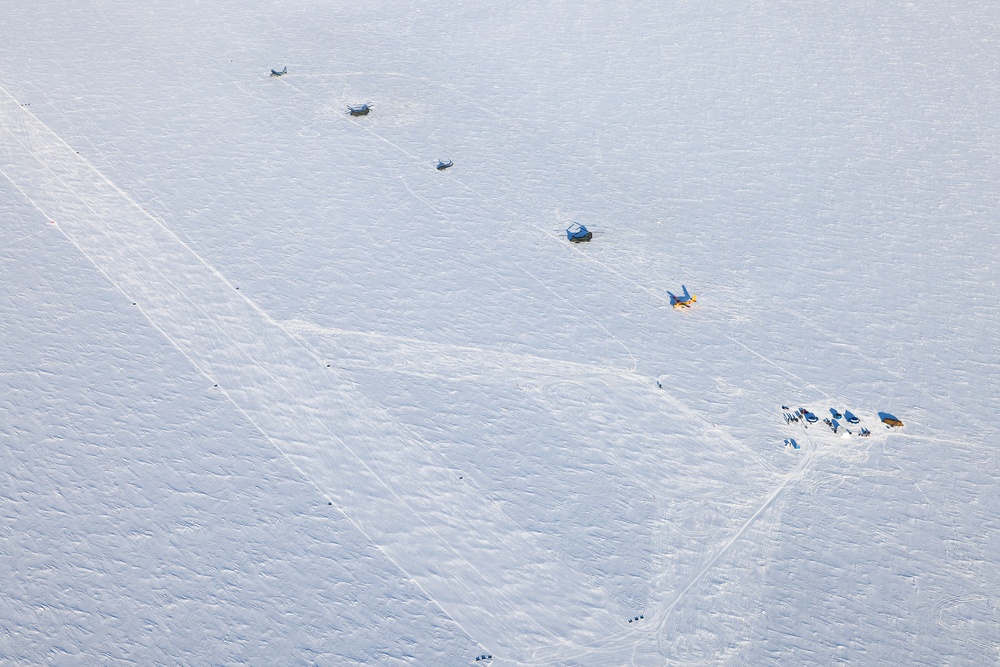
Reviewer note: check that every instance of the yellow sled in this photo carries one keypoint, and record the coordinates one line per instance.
(682, 301)
(686, 303)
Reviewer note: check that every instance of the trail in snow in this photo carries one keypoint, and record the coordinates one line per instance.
(460, 548)
(662, 617)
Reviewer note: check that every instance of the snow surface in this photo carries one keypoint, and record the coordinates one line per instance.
(277, 391)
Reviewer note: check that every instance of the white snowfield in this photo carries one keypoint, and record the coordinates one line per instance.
(278, 391)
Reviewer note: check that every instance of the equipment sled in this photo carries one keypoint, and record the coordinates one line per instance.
(362, 110)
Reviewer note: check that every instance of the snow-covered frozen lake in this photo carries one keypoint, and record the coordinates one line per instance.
(275, 390)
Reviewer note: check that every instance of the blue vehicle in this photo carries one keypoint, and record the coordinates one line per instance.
(362, 110)
(442, 165)
(577, 233)
(283, 72)
(851, 419)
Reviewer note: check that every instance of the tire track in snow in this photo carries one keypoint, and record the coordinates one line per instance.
(662, 616)
(452, 361)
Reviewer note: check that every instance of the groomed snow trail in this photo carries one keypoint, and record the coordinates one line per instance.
(489, 575)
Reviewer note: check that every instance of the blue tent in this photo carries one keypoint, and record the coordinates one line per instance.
(577, 233)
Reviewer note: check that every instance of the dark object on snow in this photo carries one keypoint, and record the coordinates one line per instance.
(836, 415)
(889, 420)
(851, 419)
(578, 235)
(442, 165)
(275, 72)
(682, 301)
(810, 417)
(362, 110)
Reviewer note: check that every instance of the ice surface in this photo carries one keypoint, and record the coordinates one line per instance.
(320, 316)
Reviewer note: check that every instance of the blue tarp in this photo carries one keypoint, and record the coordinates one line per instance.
(578, 233)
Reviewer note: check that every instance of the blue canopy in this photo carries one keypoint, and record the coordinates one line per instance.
(577, 232)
